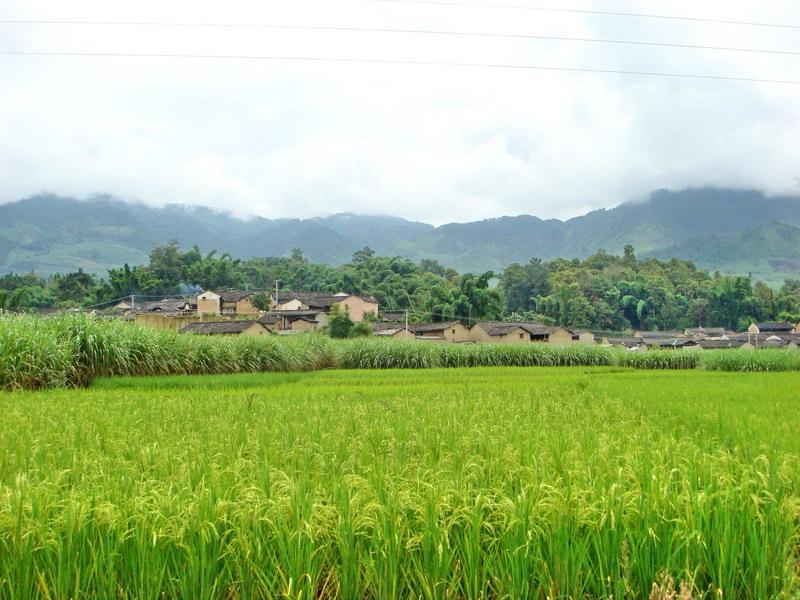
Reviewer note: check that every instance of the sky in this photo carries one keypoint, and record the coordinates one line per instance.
(433, 143)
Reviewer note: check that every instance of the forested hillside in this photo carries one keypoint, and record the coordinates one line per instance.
(734, 231)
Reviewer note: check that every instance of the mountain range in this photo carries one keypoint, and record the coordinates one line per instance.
(730, 230)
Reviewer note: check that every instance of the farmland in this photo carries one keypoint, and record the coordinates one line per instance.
(71, 351)
(586, 482)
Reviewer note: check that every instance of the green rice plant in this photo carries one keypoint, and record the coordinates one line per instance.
(473, 483)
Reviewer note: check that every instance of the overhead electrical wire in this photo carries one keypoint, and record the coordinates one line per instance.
(346, 29)
(589, 12)
(384, 61)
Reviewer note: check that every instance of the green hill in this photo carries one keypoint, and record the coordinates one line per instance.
(736, 231)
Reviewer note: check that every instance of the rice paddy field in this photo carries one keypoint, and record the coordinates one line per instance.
(463, 483)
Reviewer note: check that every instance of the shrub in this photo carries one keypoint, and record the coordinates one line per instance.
(339, 323)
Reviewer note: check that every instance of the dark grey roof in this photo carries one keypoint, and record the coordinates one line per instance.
(269, 318)
(219, 327)
(237, 295)
(296, 313)
(713, 332)
(627, 342)
(658, 334)
(389, 332)
(396, 316)
(503, 327)
(429, 327)
(386, 326)
(717, 344)
(760, 339)
(775, 327)
(669, 342)
(169, 306)
(317, 299)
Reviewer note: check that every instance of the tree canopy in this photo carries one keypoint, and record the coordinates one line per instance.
(603, 292)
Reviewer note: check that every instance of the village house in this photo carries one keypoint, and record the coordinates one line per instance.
(392, 330)
(170, 306)
(287, 321)
(122, 306)
(235, 303)
(166, 315)
(393, 316)
(446, 331)
(581, 336)
(502, 332)
(357, 307)
(771, 327)
(632, 343)
(761, 340)
(665, 343)
(652, 335)
(718, 344)
(226, 328)
(706, 333)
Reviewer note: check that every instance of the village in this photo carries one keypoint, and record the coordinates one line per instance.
(288, 313)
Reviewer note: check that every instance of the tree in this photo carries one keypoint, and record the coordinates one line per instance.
(261, 301)
(339, 323)
(167, 266)
(13, 300)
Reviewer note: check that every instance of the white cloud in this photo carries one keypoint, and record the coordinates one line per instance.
(431, 143)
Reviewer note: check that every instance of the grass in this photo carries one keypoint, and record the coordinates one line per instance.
(72, 351)
(588, 482)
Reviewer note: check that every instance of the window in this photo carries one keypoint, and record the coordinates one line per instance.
(454, 331)
(521, 335)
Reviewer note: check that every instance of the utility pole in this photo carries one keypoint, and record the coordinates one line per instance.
(406, 319)
(133, 301)
(276, 293)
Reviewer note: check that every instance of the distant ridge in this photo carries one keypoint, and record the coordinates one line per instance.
(736, 231)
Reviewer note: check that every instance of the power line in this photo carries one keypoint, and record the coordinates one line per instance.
(589, 12)
(383, 61)
(399, 31)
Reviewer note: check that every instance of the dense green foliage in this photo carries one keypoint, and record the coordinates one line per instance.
(73, 350)
(69, 351)
(603, 292)
(613, 293)
(472, 484)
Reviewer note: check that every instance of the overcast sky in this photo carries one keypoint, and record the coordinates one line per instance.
(439, 144)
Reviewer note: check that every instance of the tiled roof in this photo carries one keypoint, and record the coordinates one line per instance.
(774, 327)
(218, 327)
(708, 332)
(384, 326)
(169, 306)
(760, 339)
(429, 327)
(716, 344)
(389, 332)
(237, 295)
(627, 342)
(396, 316)
(318, 299)
(496, 328)
(658, 334)
(669, 342)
